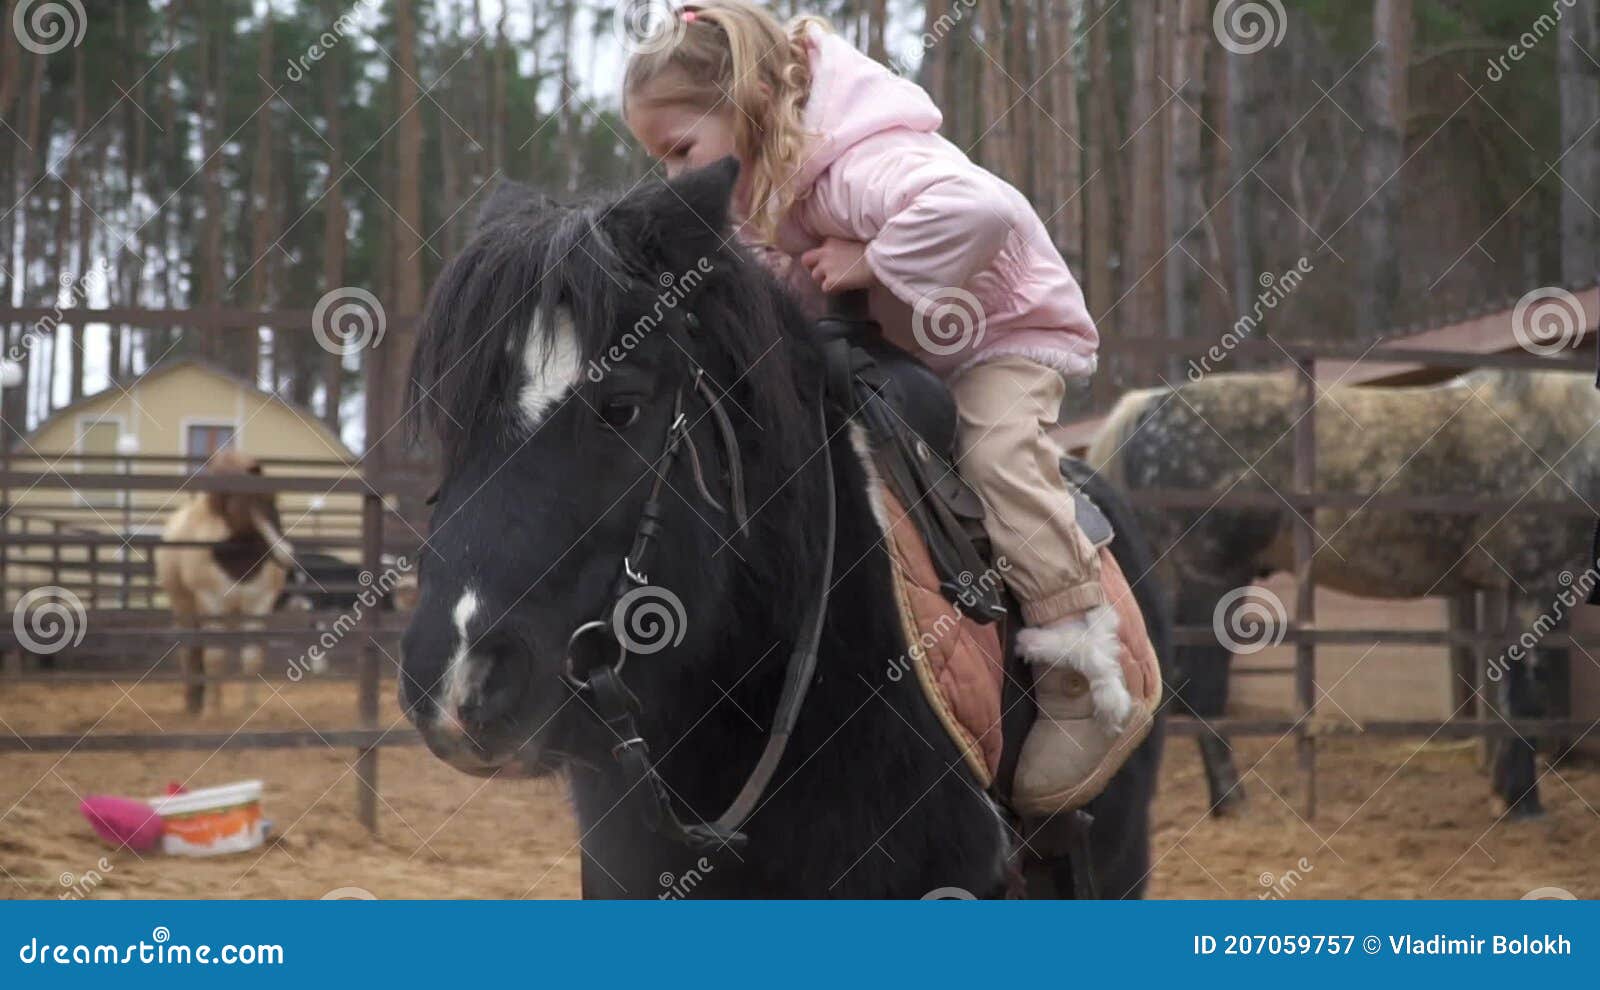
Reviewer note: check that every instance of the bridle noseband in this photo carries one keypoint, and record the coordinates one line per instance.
(602, 682)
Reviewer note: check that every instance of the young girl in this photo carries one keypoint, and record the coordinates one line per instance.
(846, 184)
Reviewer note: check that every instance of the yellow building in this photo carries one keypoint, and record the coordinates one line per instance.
(186, 407)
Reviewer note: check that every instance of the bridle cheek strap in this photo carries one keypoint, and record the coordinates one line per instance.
(618, 707)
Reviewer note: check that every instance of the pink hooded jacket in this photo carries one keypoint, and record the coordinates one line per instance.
(967, 271)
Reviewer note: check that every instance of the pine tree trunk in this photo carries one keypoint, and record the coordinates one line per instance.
(1385, 148)
(407, 241)
(569, 108)
(262, 254)
(1147, 227)
(1100, 246)
(1580, 142)
(1241, 140)
(212, 103)
(333, 217)
(1064, 167)
(934, 72)
(1186, 178)
(877, 30)
(77, 194)
(996, 123)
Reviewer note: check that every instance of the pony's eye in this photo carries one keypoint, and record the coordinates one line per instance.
(619, 414)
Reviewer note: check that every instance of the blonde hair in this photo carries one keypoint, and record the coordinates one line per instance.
(733, 52)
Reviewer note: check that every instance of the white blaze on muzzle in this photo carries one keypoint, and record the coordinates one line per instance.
(462, 678)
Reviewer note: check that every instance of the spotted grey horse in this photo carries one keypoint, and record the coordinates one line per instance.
(1525, 437)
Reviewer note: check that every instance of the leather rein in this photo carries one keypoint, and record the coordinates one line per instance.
(618, 707)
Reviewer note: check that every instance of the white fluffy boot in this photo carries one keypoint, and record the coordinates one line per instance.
(1088, 720)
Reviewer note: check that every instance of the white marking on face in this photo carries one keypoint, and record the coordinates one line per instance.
(460, 676)
(551, 365)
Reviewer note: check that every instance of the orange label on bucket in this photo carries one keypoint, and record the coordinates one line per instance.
(205, 827)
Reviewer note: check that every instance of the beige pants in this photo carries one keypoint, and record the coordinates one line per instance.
(1006, 407)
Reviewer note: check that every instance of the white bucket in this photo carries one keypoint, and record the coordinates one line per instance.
(212, 820)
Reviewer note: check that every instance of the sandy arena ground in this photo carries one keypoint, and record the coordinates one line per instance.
(1394, 820)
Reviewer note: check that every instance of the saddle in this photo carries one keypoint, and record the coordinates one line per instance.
(910, 419)
(953, 606)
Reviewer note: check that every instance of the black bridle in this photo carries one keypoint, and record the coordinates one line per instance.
(602, 682)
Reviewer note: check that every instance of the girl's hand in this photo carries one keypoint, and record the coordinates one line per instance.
(839, 265)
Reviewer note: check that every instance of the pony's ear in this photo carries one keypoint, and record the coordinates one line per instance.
(695, 205)
(509, 196)
(709, 192)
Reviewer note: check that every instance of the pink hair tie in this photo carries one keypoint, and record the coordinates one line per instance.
(688, 16)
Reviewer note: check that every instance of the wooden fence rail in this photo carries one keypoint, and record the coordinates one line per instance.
(367, 480)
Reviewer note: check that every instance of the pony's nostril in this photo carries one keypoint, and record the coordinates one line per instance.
(501, 690)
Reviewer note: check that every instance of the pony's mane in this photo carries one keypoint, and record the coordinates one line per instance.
(539, 257)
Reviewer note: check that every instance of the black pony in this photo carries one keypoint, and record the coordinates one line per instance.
(559, 355)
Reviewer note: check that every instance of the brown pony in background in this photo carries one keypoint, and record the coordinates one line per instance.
(240, 574)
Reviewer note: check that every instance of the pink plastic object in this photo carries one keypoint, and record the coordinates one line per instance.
(122, 821)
